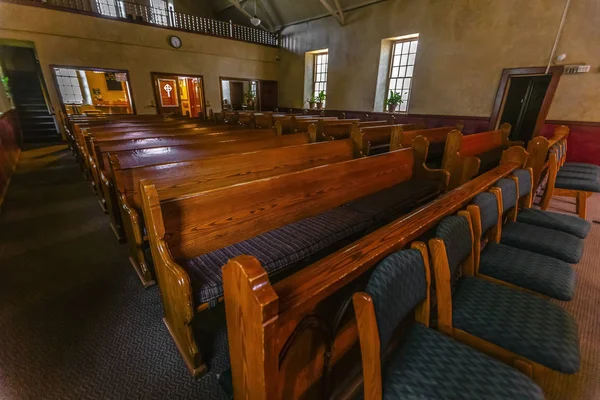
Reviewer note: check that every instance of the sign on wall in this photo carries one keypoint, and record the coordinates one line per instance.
(168, 92)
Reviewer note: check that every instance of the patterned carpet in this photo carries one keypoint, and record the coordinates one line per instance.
(75, 323)
(585, 307)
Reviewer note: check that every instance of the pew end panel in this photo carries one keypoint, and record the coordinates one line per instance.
(174, 282)
(420, 147)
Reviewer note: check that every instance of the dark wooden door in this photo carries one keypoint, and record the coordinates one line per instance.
(236, 94)
(523, 104)
(268, 95)
(166, 88)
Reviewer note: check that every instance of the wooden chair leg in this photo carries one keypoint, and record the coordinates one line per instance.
(582, 204)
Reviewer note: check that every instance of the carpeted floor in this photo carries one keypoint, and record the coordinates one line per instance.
(75, 323)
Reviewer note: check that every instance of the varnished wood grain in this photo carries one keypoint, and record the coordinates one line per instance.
(215, 219)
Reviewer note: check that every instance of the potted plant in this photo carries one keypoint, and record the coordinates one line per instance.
(320, 99)
(311, 102)
(249, 97)
(393, 101)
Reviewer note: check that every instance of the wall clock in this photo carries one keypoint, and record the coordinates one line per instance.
(175, 41)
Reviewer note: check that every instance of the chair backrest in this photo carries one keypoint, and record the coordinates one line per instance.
(488, 209)
(455, 232)
(398, 284)
(508, 188)
(524, 177)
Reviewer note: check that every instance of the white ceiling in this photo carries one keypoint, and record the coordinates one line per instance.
(277, 14)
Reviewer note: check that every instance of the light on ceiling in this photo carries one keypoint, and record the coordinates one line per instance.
(255, 20)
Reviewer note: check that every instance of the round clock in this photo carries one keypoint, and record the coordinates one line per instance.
(175, 41)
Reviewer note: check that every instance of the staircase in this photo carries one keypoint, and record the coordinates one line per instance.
(37, 124)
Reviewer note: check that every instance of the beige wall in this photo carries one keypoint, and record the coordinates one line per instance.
(463, 47)
(64, 38)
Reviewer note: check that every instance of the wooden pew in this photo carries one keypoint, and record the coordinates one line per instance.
(377, 139)
(466, 156)
(222, 217)
(539, 152)
(297, 331)
(295, 124)
(140, 157)
(435, 136)
(180, 178)
(340, 129)
(98, 152)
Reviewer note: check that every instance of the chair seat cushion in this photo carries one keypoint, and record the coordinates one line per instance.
(517, 321)
(490, 159)
(577, 184)
(585, 175)
(276, 250)
(391, 203)
(588, 166)
(550, 242)
(552, 220)
(533, 271)
(430, 365)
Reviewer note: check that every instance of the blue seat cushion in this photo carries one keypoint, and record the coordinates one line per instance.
(533, 271)
(430, 365)
(276, 250)
(585, 175)
(524, 178)
(490, 159)
(520, 322)
(577, 184)
(560, 222)
(581, 165)
(391, 203)
(550, 242)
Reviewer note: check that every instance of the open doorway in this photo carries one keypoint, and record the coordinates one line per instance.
(179, 95)
(239, 94)
(523, 100)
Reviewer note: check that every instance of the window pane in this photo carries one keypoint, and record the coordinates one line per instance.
(402, 70)
(413, 46)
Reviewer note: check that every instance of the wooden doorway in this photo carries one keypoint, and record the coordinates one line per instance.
(523, 99)
(179, 94)
(239, 94)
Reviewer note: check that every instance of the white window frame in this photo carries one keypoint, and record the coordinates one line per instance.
(401, 71)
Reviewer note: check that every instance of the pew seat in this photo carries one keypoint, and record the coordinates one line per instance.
(536, 272)
(285, 247)
(390, 203)
(433, 366)
(540, 240)
(276, 249)
(552, 220)
(490, 159)
(517, 321)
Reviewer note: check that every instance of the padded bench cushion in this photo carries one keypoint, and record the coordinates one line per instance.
(490, 159)
(275, 250)
(545, 241)
(552, 220)
(584, 175)
(390, 203)
(520, 322)
(524, 177)
(578, 165)
(577, 184)
(542, 274)
(430, 365)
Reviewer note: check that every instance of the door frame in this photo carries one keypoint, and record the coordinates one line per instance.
(55, 79)
(229, 78)
(154, 75)
(504, 86)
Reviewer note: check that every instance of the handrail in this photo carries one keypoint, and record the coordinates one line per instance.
(160, 17)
